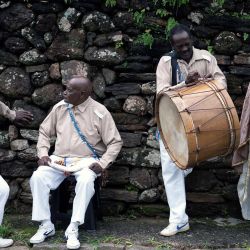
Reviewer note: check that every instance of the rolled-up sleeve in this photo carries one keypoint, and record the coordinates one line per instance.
(111, 138)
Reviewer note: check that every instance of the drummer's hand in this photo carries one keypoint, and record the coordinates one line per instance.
(44, 161)
(96, 167)
(192, 77)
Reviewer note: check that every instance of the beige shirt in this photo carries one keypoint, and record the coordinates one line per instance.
(6, 112)
(202, 61)
(95, 122)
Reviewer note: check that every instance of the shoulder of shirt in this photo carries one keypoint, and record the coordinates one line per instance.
(61, 103)
(99, 109)
(165, 58)
(205, 55)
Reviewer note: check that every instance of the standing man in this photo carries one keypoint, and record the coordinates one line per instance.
(87, 135)
(20, 117)
(184, 65)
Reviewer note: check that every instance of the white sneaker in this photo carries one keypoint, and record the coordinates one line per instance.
(5, 242)
(42, 233)
(173, 229)
(72, 239)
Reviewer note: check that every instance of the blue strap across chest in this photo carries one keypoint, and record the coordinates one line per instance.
(81, 135)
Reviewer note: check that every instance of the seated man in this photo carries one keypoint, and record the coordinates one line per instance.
(241, 159)
(84, 129)
(20, 117)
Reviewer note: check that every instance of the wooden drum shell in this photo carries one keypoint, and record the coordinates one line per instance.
(207, 123)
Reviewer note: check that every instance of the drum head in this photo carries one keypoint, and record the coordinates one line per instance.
(173, 131)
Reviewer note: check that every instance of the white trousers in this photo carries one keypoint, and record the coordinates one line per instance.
(243, 189)
(174, 182)
(4, 194)
(46, 178)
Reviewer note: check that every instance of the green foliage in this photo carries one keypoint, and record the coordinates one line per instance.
(110, 3)
(146, 39)
(171, 3)
(210, 48)
(139, 16)
(245, 16)
(161, 12)
(219, 3)
(245, 36)
(158, 245)
(130, 187)
(125, 65)
(5, 230)
(119, 44)
(170, 25)
(152, 29)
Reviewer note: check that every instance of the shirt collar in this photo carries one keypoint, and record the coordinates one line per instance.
(84, 105)
(196, 56)
(81, 107)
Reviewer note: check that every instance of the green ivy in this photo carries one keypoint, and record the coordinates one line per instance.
(139, 16)
(145, 38)
(210, 49)
(170, 25)
(119, 44)
(171, 3)
(110, 3)
(161, 12)
(161, 9)
(245, 36)
(219, 3)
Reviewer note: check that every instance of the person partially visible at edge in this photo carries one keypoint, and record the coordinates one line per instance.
(97, 125)
(20, 117)
(193, 64)
(241, 159)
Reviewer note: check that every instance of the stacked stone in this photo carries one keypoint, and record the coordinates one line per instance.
(44, 43)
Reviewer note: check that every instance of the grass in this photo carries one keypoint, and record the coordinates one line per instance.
(95, 242)
(157, 244)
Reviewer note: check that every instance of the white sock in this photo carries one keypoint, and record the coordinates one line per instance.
(47, 223)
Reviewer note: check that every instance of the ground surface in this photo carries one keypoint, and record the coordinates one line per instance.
(139, 234)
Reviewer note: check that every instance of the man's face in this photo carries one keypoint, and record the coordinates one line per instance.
(182, 44)
(74, 94)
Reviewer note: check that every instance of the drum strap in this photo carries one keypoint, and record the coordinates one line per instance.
(175, 67)
(81, 135)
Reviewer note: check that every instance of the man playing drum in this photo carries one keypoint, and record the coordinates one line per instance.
(20, 117)
(86, 134)
(183, 66)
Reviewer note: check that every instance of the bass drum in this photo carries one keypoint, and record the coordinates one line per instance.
(197, 123)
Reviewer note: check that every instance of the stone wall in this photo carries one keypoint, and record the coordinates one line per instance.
(44, 42)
